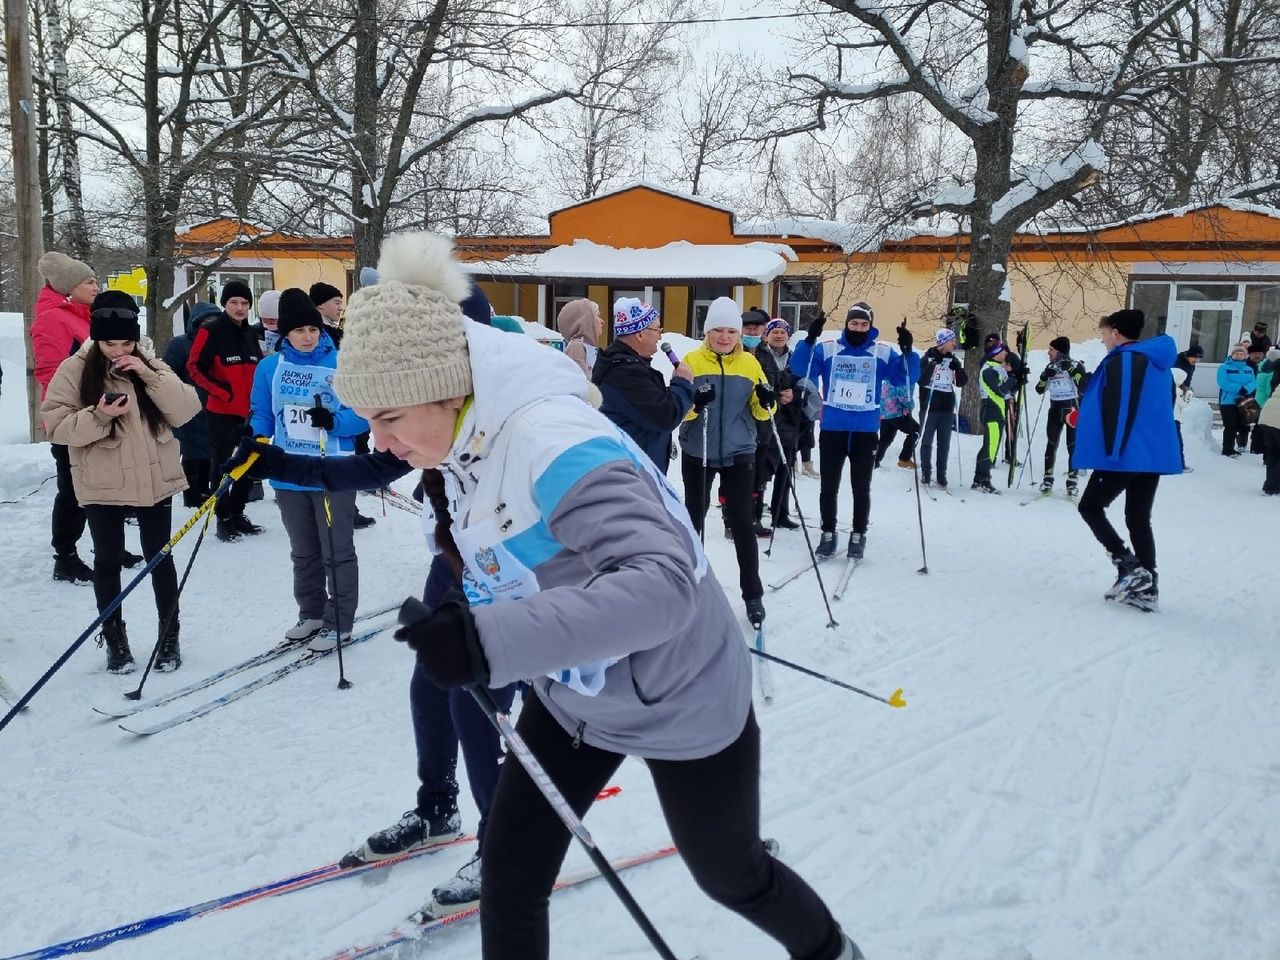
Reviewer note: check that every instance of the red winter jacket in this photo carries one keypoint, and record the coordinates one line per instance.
(60, 327)
(224, 355)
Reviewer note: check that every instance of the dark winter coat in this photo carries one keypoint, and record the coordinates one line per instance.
(1185, 365)
(636, 398)
(224, 356)
(940, 400)
(193, 436)
(1126, 414)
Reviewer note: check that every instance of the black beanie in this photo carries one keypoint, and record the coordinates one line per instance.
(297, 310)
(860, 311)
(1127, 323)
(323, 293)
(113, 315)
(1062, 345)
(235, 288)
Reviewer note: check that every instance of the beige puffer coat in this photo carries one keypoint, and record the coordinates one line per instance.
(126, 466)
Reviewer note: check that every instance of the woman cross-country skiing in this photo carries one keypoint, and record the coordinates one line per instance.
(580, 570)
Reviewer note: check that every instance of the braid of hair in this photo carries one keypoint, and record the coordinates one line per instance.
(433, 487)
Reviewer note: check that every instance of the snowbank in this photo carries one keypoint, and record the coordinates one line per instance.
(15, 426)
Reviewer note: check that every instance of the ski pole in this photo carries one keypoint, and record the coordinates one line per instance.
(150, 565)
(173, 612)
(804, 528)
(893, 700)
(959, 453)
(1031, 436)
(414, 610)
(915, 469)
(343, 682)
(704, 495)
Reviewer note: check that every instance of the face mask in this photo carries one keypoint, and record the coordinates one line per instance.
(750, 342)
(856, 338)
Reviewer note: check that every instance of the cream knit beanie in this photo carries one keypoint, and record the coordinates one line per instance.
(63, 273)
(403, 341)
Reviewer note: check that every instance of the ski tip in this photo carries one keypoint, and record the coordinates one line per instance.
(896, 700)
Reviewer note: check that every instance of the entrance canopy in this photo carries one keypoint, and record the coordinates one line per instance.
(680, 262)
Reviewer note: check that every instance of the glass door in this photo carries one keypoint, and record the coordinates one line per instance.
(1214, 326)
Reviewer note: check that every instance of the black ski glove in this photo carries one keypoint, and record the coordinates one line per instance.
(766, 396)
(955, 363)
(270, 462)
(445, 640)
(320, 417)
(815, 329)
(905, 340)
(705, 393)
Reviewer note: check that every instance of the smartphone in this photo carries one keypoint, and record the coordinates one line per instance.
(114, 398)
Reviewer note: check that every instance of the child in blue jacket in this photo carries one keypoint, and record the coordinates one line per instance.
(293, 403)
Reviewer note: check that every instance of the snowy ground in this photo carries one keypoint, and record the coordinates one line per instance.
(1070, 780)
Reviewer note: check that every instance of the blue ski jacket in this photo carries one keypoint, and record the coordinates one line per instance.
(1126, 415)
(852, 378)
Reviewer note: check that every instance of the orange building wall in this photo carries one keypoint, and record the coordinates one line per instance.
(642, 218)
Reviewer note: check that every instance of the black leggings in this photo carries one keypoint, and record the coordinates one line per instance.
(891, 427)
(1140, 493)
(1052, 434)
(1235, 432)
(737, 487)
(834, 447)
(106, 527)
(711, 806)
(226, 431)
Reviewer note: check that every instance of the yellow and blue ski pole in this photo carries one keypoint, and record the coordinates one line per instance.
(142, 574)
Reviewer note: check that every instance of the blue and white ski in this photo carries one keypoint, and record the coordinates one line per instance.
(127, 709)
(763, 677)
(306, 659)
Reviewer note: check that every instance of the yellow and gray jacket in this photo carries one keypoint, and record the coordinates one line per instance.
(730, 419)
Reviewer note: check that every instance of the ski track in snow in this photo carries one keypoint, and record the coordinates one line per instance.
(1069, 779)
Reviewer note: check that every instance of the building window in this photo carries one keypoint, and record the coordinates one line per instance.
(259, 282)
(1153, 300)
(562, 293)
(799, 301)
(1201, 290)
(701, 299)
(959, 292)
(1262, 304)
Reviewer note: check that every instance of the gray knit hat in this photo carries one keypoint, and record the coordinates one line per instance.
(404, 342)
(63, 273)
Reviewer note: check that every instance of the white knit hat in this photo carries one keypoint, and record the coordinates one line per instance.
(269, 305)
(404, 341)
(723, 314)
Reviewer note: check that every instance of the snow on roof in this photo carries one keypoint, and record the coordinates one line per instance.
(692, 198)
(584, 260)
(849, 237)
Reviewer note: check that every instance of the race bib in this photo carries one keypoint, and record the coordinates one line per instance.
(1062, 387)
(853, 382)
(944, 379)
(297, 426)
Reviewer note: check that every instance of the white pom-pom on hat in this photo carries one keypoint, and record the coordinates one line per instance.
(423, 260)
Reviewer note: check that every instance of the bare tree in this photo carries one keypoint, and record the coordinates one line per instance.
(711, 121)
(54, 59)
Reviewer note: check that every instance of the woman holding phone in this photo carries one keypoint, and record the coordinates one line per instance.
(114, 405)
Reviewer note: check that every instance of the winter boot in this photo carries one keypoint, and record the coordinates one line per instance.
(1072, 488)
(906, 463)
(71, 569)
(984, 486)
(361, 521)
(169, 656)
(113, 635)
(327, 639)
(785, 523)
(411, 832)
(130, 560)
(848, 949)
(304, 629)
(227, 531)
(755, 611)
(458, 893)
(826, 546)
(1146, 599)
(1131, 577)
(806, 470)
(1046, 485)
(245, 525)
(857, 545)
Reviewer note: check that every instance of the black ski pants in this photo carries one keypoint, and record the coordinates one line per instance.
(834, 448)
(711, 806)
(443, 719)
(1053, 428)
(737, 488)
(225, 430)
(68, 516)
(1270, 457)
(806, 442)
(907, 426)
(198, 489)
(1235, 432)
(1100, 492)
(106, 527)
(937, 423)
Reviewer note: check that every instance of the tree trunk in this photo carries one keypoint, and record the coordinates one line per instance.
(77, 225)
(47, 223)
(369, 220)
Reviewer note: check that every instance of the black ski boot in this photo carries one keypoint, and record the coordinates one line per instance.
(245, 525)
(1131, 577)
(361, 521)
(226, 531)
(411, 832)
(857, 545)
(130, 560)
(71, 569)
(169, 656)
(113, 635)
(755, 611)
(785, 523)
(826, 546)
(985, 486)
(1046, 485)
